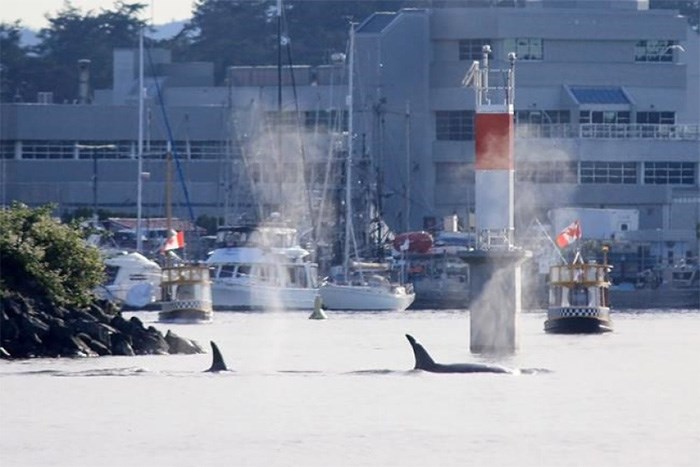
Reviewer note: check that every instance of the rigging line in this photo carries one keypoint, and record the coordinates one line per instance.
(301, 141)
(170, 138)
(247, 164)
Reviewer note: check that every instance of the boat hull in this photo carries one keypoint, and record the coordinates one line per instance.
(239, 297)
(186, 311)
(365, 298)
(594, 320)
(440, 294)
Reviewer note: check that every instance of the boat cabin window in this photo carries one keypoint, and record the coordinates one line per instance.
(185, 292)
(555, 296)
(578, 296)
(232, 239)
(226, 271)
(111, 273)
(243, 270)
(296, 276)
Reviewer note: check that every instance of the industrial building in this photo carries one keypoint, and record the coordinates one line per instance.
(607, 115)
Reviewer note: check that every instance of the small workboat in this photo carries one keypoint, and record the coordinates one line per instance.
(579, 297)
(186, 293)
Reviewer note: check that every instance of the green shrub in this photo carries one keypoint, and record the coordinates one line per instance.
(44, 259)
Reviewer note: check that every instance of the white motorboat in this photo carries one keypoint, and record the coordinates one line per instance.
(261, 267)
(132, 280)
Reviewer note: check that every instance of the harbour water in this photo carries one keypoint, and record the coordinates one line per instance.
(340, 392)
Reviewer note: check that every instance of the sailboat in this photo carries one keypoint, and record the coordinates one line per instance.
(185, 286)
(360, 286)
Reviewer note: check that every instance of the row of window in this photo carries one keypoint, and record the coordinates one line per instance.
(612, 173)
(531, 49)
(585, 172)
(112, 149)
(287, 172)
(458, 125)
(330, 119)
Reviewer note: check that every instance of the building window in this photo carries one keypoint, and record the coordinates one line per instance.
(330, 119)
(669, 173)
(447, 173)
(542, 117)
(284, 118)
(547, 172)
(604, 116)
(653, 51)
(48, 150)
(609, 172)
(7, 149)
(657, 118)
(525, 48)
(471, 49)
(159, 149)
(454, 125)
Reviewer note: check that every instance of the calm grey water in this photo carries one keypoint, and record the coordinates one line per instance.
(341, 392)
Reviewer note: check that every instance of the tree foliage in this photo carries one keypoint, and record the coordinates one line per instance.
(17, 64)
(44, 259)
(230, 32)
(71, 35)
(688, 8)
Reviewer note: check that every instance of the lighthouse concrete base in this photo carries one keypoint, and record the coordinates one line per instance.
(496, 291)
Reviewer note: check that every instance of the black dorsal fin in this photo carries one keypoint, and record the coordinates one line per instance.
(423, 360)
(217, 363)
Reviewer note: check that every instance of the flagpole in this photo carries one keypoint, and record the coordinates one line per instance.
(556, 247)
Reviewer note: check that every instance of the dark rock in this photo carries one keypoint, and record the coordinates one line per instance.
(97, 331)
(29, 324)
(121, 345)
(30, 328)
(95, 347)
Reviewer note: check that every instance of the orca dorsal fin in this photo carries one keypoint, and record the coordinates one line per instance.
(217, 362)
(423, 360)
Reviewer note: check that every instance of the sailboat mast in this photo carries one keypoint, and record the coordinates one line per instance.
(348, 160)
(168, 201)
(279, 58)
(139, 176)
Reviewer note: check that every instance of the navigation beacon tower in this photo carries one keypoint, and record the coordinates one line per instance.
(496, 263)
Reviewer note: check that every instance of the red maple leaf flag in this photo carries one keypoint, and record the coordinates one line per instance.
(569, 235)
(174, 241)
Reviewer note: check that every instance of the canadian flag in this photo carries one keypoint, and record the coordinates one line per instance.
(569, 235)
(174, 241)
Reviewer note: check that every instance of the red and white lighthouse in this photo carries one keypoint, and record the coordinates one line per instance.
(494, 132)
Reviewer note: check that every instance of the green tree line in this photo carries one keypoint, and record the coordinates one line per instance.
(224, 32)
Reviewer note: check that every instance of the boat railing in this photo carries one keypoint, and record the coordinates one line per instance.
(585, 274)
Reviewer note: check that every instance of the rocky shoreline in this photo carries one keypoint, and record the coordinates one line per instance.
(29, 328)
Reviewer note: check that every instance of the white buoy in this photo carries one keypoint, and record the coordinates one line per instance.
(318, 312)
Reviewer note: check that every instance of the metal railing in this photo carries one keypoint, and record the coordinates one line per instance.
(640, 131)
(609, 131)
